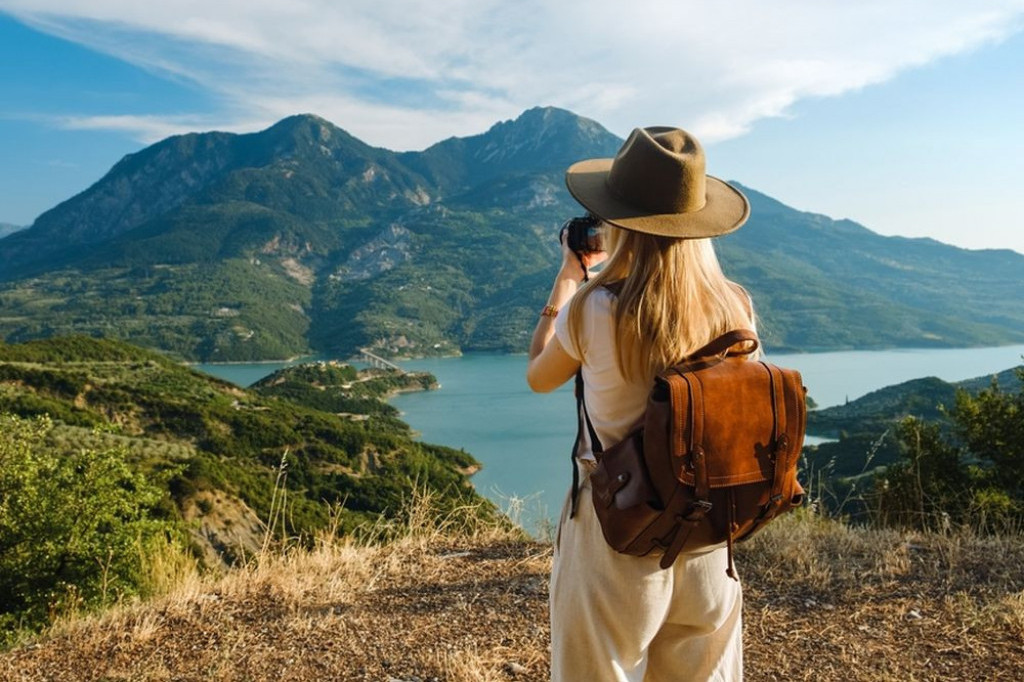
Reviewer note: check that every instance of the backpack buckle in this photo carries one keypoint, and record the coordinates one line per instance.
(698, 511)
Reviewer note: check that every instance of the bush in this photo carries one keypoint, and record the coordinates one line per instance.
(76, 527)
(969, 471)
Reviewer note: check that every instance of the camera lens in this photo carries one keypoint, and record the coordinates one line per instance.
(584, 234)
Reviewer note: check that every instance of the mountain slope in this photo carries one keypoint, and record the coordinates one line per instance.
(923, 398)
(302, 238)
(321, 433)
(301, 169)
(817, 279)
(541, 140)
(867, 427)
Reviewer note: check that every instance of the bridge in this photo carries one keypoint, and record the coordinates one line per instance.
(376, 361)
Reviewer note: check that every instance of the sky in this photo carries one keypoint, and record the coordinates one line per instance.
(906, 116)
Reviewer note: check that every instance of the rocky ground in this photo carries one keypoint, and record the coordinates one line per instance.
(823, 602)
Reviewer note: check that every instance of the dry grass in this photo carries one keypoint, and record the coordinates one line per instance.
(463, 602)
(827, 602)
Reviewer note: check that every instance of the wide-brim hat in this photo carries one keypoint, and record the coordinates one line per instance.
(657, 184)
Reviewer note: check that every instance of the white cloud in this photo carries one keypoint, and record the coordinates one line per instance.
(143, 128)
(406, 74)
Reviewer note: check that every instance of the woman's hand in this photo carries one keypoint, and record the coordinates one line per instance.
(573, 265)
(550, 365)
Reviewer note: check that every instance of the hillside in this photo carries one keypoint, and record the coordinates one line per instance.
(822, 602)
(865, 428)
(821, 283)
(302, 238)
(922, 398)
(7, 228)
(321, 433)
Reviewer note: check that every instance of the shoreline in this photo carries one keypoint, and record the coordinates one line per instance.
(781, 350)
(393, 392)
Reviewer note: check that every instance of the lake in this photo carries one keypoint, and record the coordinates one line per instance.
(523, 439)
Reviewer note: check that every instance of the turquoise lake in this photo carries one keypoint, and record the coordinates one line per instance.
(523, 439)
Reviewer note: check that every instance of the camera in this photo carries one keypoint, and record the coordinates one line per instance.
(583, 234)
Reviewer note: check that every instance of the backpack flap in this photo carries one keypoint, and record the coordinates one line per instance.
(754, 420)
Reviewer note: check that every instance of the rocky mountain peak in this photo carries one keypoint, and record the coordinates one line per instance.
(545, 135)
(304, 131)
(537, 141)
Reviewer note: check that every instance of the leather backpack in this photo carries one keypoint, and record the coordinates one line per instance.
(713, 460)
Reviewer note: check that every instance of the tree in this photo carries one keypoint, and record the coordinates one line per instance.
(991, 427)
(76, 526)
(969, 470)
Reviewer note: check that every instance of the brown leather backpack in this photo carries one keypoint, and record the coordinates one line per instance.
(713, 460)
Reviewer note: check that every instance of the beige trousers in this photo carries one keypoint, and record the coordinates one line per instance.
(620, 618)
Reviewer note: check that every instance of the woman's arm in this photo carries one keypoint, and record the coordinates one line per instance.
(550, 365)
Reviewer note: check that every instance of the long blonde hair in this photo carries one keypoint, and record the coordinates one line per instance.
(674, 299)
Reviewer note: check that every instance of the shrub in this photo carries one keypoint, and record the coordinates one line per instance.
(76, 527)
(969, 471)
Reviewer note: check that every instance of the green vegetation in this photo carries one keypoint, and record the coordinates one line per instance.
(79, 527)
(873, 412)
(231, 310)
(472, 285)
(340, 389)
(926, 454)
(240, 435)
(970, 472)
(165, 447)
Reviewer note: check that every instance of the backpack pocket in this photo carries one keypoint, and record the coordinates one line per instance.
(624, 499)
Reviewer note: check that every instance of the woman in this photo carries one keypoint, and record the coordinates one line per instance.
(617, 617)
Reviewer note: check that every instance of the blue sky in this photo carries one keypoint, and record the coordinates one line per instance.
(904, 115)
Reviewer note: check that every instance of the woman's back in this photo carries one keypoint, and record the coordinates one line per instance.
(614, 402)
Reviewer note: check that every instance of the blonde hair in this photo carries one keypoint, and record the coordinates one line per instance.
(674, 299)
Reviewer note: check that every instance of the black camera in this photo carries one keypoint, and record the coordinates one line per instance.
(583, 234)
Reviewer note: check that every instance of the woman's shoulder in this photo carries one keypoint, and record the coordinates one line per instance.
(601, 299)
(745, 298)
(595, 311)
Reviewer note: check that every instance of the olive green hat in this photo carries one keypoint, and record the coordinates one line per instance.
(657, 184)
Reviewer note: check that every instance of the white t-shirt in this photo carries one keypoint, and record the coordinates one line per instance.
(613, 403)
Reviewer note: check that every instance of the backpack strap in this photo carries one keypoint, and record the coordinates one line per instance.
(584, 418)
(780, 445)
(698, 458)
(702, 485)
(595, 442)
(726, 341)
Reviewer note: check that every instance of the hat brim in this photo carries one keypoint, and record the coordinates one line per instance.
(725, 210)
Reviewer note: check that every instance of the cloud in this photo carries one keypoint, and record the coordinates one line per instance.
(146, 129)
(405, 74)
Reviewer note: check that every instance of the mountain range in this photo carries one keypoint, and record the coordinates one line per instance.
(7, 228)
(301, 238)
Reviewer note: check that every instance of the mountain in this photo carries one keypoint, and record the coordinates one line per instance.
(302, 238)
(539, 141)
(822, 283)
(923, 398)
(7, 228)
(189, 193)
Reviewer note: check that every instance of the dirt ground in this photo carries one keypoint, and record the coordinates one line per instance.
(822, 602)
